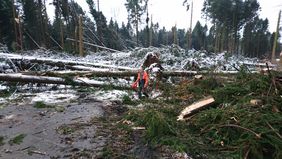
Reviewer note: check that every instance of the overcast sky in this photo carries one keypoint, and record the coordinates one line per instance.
(170, 12)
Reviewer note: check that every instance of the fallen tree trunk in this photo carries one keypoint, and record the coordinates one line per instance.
(84, 73)
(195, 107)
(56, 80)
(60, 62)
(259, 64)
(109, 73)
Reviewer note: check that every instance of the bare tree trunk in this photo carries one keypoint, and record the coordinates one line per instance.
(80, 37)
(15, 24)
(62, 34)
(136, 18)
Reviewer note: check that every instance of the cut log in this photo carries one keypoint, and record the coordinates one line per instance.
(198, 77)
(56, 80)
(256, 102)
(195, 107)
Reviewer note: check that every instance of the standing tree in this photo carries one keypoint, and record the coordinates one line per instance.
(135, 9)
(31, 24)
(189, 34)
(7, 33)
(255, 41)
(229, 16)
(107, 36)
(199, 36)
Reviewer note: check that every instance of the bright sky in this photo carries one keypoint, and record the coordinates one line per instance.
(170, 12)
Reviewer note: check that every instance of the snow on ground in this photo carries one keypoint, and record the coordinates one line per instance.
(110, 95)
(52, 97)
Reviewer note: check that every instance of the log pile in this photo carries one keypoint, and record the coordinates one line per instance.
(47, 70)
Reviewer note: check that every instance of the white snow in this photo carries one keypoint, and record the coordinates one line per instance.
(80, 67)
(52, 97)
(110, 95)
(3, 87)
(89, 81)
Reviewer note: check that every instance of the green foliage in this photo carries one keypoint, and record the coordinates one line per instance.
(203, 87)
(65, 129)
(256, 37)
(199, 36)
(229, 17)
(157, 126)
(17, 139)
(5, 93)
(127, 100)
(69, 80)
(231, 129)
(2, 140)
(107, 153)
(41, 104)
(6, 23)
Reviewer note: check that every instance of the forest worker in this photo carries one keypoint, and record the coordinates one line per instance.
(142, 82)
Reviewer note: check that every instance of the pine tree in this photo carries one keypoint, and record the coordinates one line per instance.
(229, 16)
(135, 9)
(7, 34)
(107, 37)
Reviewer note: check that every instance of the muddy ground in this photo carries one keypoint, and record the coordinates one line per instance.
(84, 127)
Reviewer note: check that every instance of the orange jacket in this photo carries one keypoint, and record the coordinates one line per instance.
(145, 77)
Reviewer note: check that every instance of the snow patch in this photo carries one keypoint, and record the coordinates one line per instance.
(52, 97)
(110, 95)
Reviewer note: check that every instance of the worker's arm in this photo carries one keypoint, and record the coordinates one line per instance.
(134, 85)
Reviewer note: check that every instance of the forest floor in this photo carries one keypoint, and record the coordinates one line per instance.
(55, 121)
(86, 126)
(81, 127)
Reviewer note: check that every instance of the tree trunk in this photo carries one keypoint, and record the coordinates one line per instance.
(59, 63)
(136, 27)
(80, 37)
(55, 80)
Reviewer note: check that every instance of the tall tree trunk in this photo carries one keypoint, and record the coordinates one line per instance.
(15, 24)
(137, 38)
(80, 37)
(62, 34)
(41, 26)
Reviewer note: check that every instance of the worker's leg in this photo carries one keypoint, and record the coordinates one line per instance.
(144, 90)
(140, 88)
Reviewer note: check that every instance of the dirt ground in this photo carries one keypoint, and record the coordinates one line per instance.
(82, 128)
(50, 133)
